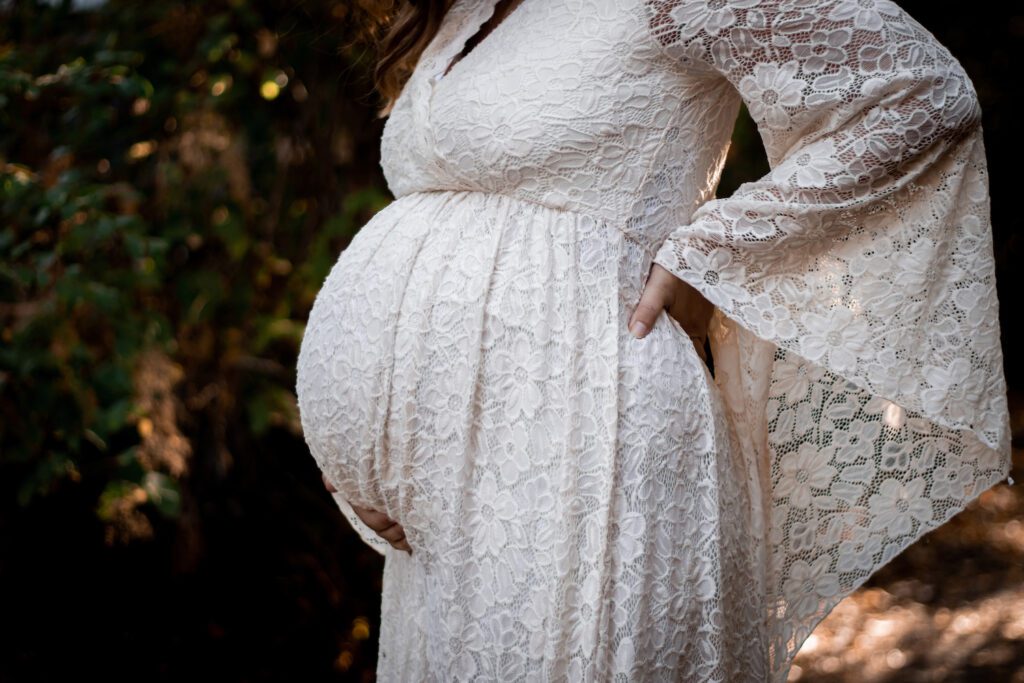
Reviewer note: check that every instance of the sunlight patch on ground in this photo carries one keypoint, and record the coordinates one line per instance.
(951, 608)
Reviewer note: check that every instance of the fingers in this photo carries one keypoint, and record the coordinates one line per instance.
(658, 294)
(692, 311)
(395, 535)
(663, 291)
(378, 521)
(392, 533)
(387, 528)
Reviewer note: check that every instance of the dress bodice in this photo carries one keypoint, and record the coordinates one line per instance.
(571, 105)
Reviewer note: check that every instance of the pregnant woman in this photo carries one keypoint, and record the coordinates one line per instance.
(572, 497)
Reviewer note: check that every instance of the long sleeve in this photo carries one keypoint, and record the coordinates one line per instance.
(867, 247)
(857, 338)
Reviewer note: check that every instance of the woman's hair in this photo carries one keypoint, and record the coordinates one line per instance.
(407, 26)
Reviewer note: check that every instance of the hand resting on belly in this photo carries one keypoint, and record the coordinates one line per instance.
(387, 528)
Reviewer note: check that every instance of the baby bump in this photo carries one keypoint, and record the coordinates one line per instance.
(504, 373)
(460, 354)
(344, 366)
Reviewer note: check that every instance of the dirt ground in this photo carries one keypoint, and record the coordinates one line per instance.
(949, 609)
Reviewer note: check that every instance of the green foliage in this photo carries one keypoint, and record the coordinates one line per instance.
(174, 179)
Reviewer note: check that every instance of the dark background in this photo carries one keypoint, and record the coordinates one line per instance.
(176, 179)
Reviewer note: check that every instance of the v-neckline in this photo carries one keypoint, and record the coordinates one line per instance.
(463, 19)
(449, 59)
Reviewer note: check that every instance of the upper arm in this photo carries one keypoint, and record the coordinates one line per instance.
(865, 71)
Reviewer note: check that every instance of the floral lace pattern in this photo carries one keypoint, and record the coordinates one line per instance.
(583, 505)
(865, 250)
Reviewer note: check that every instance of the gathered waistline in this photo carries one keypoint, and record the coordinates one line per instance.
(648, 249)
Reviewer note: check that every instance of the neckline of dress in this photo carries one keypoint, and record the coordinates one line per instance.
(480, 13)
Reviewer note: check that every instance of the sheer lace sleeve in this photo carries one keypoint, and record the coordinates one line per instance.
(854, 282)
(867, 247)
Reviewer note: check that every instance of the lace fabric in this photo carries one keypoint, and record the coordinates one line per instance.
(865, 257)
(583, 505)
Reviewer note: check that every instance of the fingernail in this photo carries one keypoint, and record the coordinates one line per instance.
(638, 329)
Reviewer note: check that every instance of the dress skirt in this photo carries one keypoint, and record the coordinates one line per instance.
(576, 499)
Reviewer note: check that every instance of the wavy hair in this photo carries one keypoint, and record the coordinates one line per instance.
(399, 30)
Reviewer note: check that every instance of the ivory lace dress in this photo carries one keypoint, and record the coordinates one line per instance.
(583, 505)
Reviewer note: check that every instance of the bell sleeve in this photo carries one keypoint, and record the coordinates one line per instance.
(864, 258)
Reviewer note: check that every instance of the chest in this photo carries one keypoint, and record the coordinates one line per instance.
(575, 89)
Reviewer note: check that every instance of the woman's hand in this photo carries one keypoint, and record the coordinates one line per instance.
(664, 291)
(387, 528)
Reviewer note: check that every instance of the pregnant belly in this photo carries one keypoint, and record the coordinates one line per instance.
(462, 333)
(346, 360)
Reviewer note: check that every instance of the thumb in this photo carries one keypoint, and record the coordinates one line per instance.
(657, 295)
